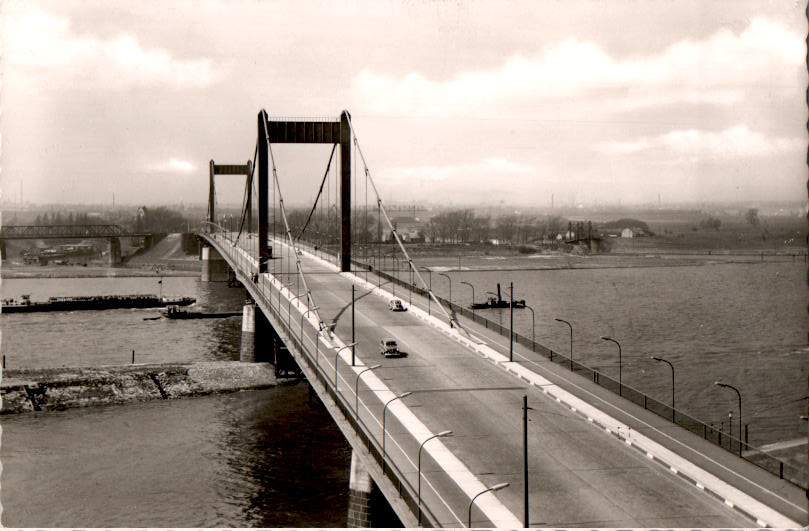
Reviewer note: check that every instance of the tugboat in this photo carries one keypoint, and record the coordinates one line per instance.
(497, 302)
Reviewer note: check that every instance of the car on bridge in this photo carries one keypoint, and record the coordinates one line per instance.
(390, 349)
(397, 306)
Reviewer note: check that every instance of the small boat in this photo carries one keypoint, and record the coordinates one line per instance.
(497, 302)
(175, 312)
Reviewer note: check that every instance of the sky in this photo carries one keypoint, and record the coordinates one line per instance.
(453, 102)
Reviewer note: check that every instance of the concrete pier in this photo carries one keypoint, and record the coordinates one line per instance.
(247, 350)
(214, 267)
(360, 488)
(114, 257)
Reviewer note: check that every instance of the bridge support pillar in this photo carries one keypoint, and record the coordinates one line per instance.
(247, 352)
(214, 267)
(115, 252)
(360, 488)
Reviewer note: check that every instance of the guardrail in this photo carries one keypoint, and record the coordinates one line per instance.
(271, 297)
(783, 470)
(775, 466)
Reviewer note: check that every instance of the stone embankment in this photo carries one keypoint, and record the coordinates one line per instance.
(25, 390)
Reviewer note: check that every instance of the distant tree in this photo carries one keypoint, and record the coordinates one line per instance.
(752, 216)
(711, 223)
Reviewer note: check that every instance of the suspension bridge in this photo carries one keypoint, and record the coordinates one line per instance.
(466, 429)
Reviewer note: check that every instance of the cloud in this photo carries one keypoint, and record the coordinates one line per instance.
(458, 183)
(39, 43)
(731, 143)
(721, 69)
(172, 166)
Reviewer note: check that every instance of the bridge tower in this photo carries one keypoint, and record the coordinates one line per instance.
(214, 267)
(281, 131)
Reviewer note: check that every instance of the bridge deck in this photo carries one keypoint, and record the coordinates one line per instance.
(580, 475)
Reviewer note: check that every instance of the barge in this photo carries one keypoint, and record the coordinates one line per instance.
(175, 312)
(92, 302)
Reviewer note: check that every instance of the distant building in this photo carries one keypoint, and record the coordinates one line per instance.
(627, 233)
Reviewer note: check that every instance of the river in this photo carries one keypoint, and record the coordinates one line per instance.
(233, 461)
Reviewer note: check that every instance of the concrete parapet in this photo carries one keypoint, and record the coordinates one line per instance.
(25, 390)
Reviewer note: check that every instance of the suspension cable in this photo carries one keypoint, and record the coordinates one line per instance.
(320, 191)
(393, 229)
(311, 302)
(248, 186)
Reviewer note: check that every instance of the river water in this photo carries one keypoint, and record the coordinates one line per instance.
(247, 459)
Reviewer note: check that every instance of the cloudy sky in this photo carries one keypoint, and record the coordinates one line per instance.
(453, 102)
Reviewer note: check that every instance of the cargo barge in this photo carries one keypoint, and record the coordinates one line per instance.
(93, 302)
(174, 312)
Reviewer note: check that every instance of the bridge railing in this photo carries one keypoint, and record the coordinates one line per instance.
(297, 337)
(784, 470)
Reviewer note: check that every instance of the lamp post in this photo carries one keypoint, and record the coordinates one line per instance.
(289, 308)
(533, 329)
(473, 289)
(673, 411)
(353, 339)
(511, 321)
(336, 357)
(720, 384)
(384, 412)
(450, 287)
(279, 296)
(490, 489)
(302, 318)
(620, 381)
(442, 434)
(357, 390)
(395, 266)
(410, 282)
(571, 340)
(429, 295)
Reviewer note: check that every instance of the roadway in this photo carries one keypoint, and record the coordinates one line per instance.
(580, 475)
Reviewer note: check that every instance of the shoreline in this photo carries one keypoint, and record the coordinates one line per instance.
(49, 389)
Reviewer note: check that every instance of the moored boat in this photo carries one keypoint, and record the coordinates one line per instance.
(92, 302)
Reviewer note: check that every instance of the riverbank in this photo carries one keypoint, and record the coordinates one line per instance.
(46, 389)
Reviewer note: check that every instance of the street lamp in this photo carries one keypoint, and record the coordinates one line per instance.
(511, 321)
(720, 384)
(450, 287)
(429, 295)
(302, 318)
(289, 308)
(442, 434)
(336, 356)
(357, 390)
(384, 412)
(620, 383)
(490, 489)
(571, 340)
(673, 411)
(533, 329)
(473, 289)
